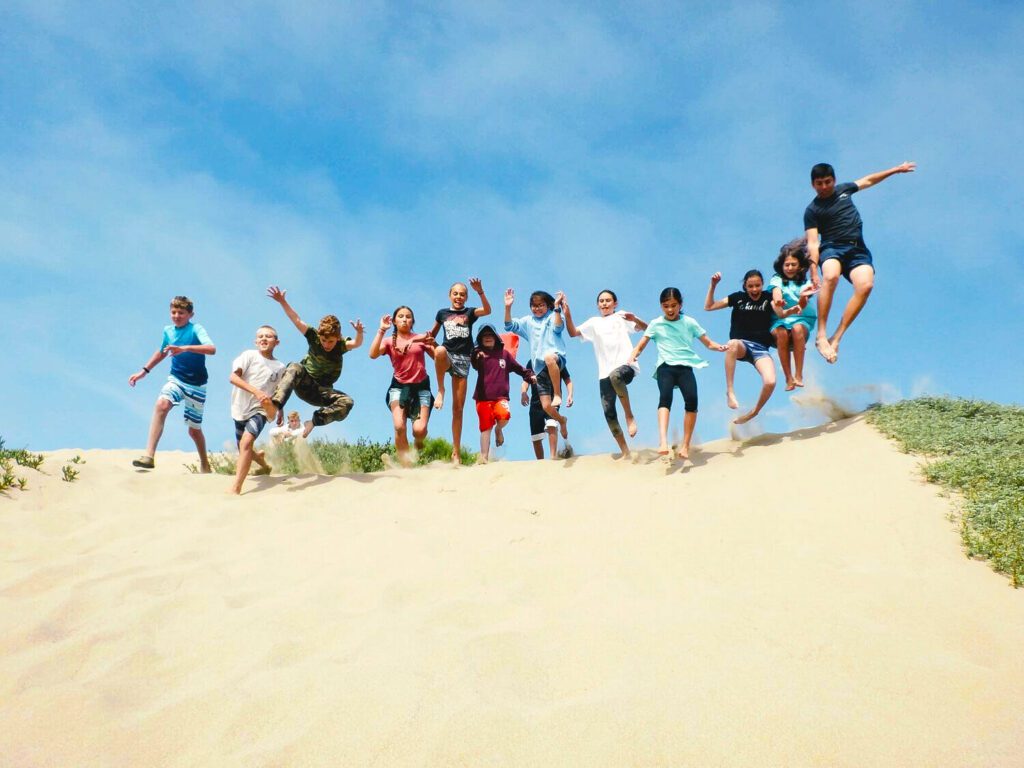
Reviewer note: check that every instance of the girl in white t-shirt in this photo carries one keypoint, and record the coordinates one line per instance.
(609, 333)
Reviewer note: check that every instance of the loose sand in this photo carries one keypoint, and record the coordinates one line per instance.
(801, 601)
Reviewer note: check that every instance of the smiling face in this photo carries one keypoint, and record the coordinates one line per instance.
(825, 187)
(671, 308)
(753, 285)
(180, 317)
(266, 340)
(606, 304)
(538, 306)
(790, 266)
(457, 295)
(404, 320)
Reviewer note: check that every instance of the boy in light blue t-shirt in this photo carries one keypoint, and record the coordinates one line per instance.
(187, 344)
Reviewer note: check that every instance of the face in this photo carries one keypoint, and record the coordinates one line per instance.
(403, 320)
(606, 304)
(329, 342)
(538, 306)
(266, 340)
(825, 187)
(180, 317)
(458, 295)
(790, 266)
(293, 422)
(671, 308)
(487, 342)
(753, 286)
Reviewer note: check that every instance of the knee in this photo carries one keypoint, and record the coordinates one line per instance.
(551, 358)
(864, 287)
(769, 381)
(419, 430)
(800, 332)
(195, 431)
(830, 281)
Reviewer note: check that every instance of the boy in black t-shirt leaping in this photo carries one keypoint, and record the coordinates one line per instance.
(833, 216)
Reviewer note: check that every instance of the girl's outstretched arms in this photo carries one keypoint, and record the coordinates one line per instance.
(385, 324)
(485, 306)
(712, 344)
(279, 296)
(710, 305)
(777, 301)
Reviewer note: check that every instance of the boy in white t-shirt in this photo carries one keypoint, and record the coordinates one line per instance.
(288, 432)
(255, 373)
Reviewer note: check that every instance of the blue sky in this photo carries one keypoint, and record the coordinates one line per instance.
(367, 155)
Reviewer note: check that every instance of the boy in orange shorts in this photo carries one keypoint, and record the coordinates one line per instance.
(493, 364)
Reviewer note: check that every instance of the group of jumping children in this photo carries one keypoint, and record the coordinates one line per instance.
(783, 316)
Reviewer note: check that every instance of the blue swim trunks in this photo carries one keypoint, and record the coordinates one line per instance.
(755, 351)
(191, 396)
(850, 254)
(253, 425)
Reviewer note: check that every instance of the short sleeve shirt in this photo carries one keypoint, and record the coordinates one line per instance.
(458, 329)
(323, 366)
(189, 367)
(791, 294)
(836, 218)
(408, 358)
(610, 336)
(675, 340)
(752, 320)
(260, 372)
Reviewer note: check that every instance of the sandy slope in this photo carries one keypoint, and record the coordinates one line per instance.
(588, 613)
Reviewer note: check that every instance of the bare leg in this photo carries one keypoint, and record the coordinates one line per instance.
(156, 424)
(458, 405)
(538, 448)
(663, 430)
(863, 280)
(552, 442)
(419, 427)
(441, 365)
(620, 440)
(485, 446)
(200, 440)
(551, 361)
(547, 402)
(735, 351)
(245, 457)
(782, 342)
(401, 436)
(830, 272)
(689, 422)
(799, 348)
(766, 367)
(499, 431)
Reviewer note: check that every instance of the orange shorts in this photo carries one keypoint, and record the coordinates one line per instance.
(492, 411)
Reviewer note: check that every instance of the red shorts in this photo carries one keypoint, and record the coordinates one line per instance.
(491, 411)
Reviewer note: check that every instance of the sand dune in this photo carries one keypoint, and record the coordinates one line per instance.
(580, 613)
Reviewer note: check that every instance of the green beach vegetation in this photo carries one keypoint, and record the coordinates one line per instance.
(9, 460)
(976, 449)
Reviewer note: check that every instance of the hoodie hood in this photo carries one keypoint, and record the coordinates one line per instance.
(489, 329)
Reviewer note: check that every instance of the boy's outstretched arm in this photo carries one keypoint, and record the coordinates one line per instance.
(279, 296)
(710, 305)
(357, 342)
(570, 326)
(873, 178)
(153, 361)
(485, 306)
(813, 254)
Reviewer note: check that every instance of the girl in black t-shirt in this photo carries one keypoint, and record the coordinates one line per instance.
(750, 335)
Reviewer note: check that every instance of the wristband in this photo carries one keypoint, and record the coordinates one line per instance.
(146, 369)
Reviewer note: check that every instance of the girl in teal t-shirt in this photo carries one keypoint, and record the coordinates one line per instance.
(791, 333)
(674, 333)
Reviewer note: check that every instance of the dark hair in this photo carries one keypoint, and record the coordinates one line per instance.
(610, 292)
(544, 296)
(182, 302)
(798, 250)
(394, 324)
(751, 273)
(822, 171)
(670, 293)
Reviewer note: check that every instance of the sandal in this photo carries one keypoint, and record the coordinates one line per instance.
(144, 462)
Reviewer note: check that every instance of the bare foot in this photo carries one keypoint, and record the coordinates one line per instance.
(204, 469)
(835, 347)
(233, 491)
(683, 452)
(269, 408)
(481, 459)
(307, 428)
(499, 435)
(790, 386)
(744, 418)
(825, 349)
(264, 470)
(730, 398)
(456, 458)
(556, 400)
(439, 400)
(798, 382)
(631, 426)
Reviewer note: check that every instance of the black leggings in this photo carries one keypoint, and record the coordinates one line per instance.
(670, 376)
(614, 386)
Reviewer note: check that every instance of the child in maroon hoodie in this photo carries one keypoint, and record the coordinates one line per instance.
(493, 364)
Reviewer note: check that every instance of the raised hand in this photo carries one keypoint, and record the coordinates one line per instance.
(276, 294)
(385, 323)
(906, 167)
(476, 284)
(716, 278)
(510, 297)
(357, 324)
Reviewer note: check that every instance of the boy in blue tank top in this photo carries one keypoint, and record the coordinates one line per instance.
(187, 344)
(833, 216)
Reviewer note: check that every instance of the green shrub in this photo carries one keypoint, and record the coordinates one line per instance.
(977, 449)
(20, 457)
